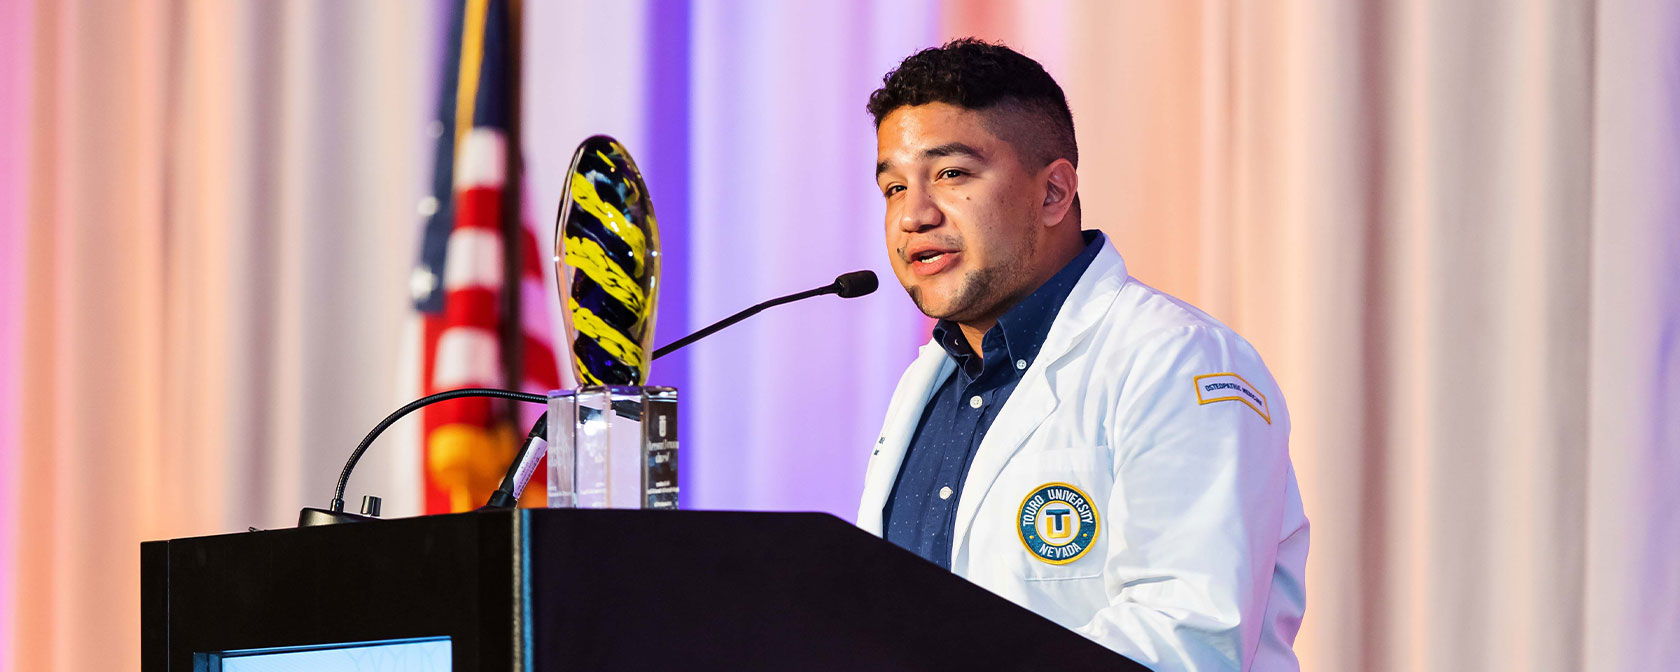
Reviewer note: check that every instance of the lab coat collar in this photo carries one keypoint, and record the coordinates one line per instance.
(1035, 398)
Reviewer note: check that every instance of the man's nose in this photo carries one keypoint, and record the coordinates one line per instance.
(918, 212)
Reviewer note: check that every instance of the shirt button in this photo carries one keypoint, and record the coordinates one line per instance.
(974, 401)
(945, 492)
(1020, 364)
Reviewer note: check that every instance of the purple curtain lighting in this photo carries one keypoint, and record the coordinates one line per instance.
(748, 120)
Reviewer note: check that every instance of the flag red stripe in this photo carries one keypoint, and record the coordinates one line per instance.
(472, 306)
(529, 254)
(479, 208)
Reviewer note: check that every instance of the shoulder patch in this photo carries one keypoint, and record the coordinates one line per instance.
(1215, 387)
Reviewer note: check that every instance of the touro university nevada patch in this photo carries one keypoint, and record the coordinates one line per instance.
(1058, 523)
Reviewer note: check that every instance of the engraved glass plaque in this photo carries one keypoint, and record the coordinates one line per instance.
(623, 443)
(612, 441)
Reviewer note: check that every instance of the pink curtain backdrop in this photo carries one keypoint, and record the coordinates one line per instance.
(1453, 230)
(17, 46)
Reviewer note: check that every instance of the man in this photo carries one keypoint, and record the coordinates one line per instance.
(1071, 439)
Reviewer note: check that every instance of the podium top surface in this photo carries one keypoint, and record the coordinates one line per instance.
(593, 589)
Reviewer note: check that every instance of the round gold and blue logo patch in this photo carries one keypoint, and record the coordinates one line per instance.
(1058, 523)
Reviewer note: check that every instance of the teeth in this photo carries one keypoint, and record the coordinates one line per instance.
(930, 259)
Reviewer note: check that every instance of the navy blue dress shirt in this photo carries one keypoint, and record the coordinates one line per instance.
(921, 512)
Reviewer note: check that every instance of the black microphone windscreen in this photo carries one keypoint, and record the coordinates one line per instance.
(856, 283)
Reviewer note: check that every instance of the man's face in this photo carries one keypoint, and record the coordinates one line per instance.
(961, 212)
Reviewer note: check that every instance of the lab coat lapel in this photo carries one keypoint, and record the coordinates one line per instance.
(1035, 398)
(931, 367)
(1028, 406)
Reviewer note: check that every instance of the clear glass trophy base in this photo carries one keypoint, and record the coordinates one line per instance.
(612, 447)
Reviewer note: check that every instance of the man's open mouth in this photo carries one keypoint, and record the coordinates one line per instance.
(929, 262)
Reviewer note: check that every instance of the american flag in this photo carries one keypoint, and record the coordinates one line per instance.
(478, 333)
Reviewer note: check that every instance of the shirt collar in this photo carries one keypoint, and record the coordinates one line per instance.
(1024, 327)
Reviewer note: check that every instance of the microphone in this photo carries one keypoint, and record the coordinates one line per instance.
(848, 286)
(856, 284)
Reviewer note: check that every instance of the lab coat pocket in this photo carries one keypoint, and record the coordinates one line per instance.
(1057, 518)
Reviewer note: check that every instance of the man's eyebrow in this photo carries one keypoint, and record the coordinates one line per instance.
(947, 149)
(952, 149)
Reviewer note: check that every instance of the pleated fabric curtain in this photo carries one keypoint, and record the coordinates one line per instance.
(1453, 230)
(207, 236)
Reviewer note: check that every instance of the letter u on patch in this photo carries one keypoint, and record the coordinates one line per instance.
(1216, 387)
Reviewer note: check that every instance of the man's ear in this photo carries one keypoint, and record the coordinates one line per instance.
(1061, 185)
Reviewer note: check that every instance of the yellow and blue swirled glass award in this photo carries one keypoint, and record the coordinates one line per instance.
(613, 439)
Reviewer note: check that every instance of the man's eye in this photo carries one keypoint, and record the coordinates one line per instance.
(894, 189)
(949, 173)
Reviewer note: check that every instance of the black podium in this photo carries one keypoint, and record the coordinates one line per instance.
(591, 590)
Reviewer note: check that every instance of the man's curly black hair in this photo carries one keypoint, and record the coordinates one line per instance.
(977, 75)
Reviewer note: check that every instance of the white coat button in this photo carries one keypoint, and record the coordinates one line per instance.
(974, 401)
(945, 492)
(1020, 364)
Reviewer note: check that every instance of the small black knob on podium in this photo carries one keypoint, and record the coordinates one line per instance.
(370, 506)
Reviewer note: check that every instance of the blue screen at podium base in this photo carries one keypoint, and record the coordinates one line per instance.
(409, 655)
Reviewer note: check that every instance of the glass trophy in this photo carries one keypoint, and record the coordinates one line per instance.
(612, 441)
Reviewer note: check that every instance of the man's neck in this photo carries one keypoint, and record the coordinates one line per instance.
(975, 332)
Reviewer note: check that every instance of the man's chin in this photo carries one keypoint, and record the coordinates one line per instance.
(940, 303)
(938, 309)
(964, 307)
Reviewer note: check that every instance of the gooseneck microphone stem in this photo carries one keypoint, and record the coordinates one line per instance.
(337, 505)
(737, 317)
(848, 285)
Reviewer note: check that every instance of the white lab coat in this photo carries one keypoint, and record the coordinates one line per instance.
(1200, 556)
